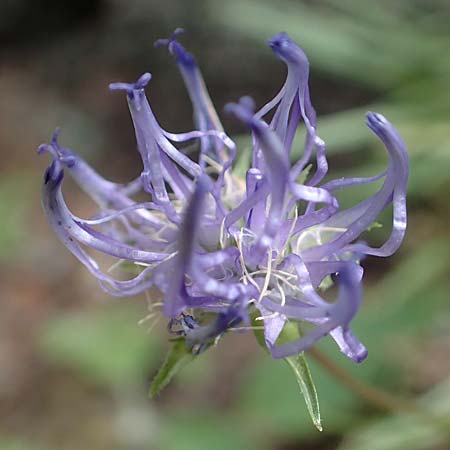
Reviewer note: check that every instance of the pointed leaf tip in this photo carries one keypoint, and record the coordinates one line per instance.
(304, 379)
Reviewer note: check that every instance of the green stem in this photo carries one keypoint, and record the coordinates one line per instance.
(379, 398)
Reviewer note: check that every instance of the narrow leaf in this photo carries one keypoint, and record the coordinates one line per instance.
(304, 379)
(178, 357)
(302, 373)
(299, 366)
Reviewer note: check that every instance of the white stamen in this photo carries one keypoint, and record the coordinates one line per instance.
(267, 277)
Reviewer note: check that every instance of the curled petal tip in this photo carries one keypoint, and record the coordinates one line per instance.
(175, 48)
(53, 147)
(55, 136)
(141, 83)
(167, 41)
(248, 103)
(59, 154)
(118, 86)
(279, 40)
(350, 345)
(375, 119)
(43, 148)
(384, 130)
(243, 110)
(379, 124)
(360, 357)
(178, 32)
(286, 49)
(143, 80)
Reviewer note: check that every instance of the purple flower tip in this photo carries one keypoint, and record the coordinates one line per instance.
(244, 110)
(167, 41)
(286, 49)
(361, 357)
(53, 146)
(175, 48)
(379, 125)
(55, 136)
(140, 84)
(59, 154)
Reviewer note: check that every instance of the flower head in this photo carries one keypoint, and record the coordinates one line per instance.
(219, 247)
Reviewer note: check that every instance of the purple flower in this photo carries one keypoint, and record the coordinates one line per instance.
(211, 242)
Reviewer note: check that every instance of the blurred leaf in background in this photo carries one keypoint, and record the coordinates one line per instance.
(18, 444)
(15, 191)
(407, 431)
(106, 345)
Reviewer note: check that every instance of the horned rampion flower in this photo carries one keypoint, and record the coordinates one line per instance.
(223, 252)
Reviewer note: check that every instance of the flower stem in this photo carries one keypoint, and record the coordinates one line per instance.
(379, 398)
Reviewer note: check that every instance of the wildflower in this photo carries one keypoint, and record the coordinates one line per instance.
(219, 248)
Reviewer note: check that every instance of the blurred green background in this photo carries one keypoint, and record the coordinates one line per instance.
(75, 366)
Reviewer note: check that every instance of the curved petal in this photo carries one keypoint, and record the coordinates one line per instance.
(151, 142)
(349, 344)
(360, 217)
(276, 170)
(205, 115)
(56, 218)
(105, 193)
(340, 314)
(67, 225)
